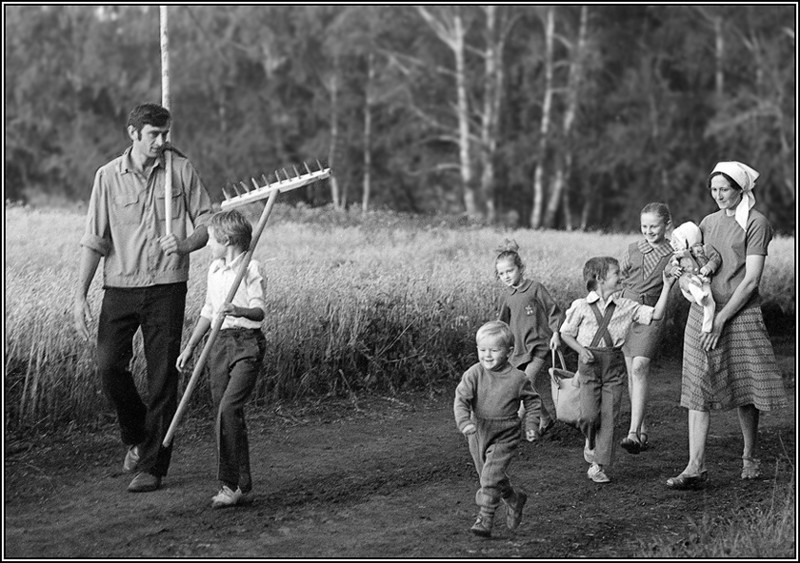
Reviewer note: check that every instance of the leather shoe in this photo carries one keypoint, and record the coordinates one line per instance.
(144, 482)
(630, 445)
(131, 459)
(684, 482)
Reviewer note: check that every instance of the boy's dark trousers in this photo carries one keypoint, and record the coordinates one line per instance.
(158, 310)
(234, 363)
(602, 384)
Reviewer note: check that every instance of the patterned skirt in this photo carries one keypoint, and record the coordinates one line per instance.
(740, 371)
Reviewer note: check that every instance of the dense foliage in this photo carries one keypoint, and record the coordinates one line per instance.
(594, 110)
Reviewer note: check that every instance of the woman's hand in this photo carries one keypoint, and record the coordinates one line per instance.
(709, 340)
(555, 341)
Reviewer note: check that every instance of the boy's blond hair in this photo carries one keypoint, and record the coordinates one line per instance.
(231, 228)
(496, 328)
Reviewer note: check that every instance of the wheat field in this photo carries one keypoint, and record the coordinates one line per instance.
(379, 304)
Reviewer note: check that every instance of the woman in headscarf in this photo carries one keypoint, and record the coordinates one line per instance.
(734, 364)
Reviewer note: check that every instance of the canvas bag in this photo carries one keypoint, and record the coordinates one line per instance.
(564, 384)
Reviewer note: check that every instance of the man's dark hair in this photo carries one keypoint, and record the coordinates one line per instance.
(148, 114)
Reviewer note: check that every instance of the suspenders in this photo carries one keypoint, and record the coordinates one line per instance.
(602, 330)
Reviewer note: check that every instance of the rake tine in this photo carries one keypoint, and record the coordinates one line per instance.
(255, 184)
(285, 174)
(244, 187)
(307, 169)
(225, 193)
(296, 173)
(278, 177)
(266, 180)
(318, 164)
(236, 189)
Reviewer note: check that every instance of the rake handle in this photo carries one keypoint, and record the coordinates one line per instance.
(198, 368)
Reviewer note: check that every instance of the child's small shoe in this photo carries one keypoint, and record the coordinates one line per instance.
(227, 497)
(546, 425)
(483, 525)
(597, 474)
(631, 443)
(514, 510)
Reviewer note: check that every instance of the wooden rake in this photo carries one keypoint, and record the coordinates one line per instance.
(244, 196)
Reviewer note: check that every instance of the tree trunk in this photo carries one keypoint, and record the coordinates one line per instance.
(719, 58)
(491, 103)
(451, 31)
(544, 128)
(334, 93)
(573, 90)
(470, 204)
(368, 132)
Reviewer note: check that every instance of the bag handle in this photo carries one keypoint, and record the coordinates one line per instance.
(560, 358)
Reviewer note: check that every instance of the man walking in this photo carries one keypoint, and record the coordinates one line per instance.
(144, 279)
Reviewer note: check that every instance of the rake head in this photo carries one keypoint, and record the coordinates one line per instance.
(245, 194)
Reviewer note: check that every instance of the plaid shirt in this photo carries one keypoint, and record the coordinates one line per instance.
(581, 323)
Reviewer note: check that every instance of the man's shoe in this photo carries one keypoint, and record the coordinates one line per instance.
(483, 525)
(226, 497)
(597, 474)
(131, 459)
(144, 482)
(514, 510)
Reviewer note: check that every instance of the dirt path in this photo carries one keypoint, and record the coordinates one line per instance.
(381, 478)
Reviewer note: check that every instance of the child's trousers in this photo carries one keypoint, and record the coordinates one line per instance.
(602, 383)
(234, 363)
(493, 447)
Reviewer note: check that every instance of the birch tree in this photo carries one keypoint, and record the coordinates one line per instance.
(559, 193)
(544, 124)
(448, 25)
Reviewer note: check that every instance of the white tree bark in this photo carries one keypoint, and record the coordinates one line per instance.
(370, 100)
(557, 194)
(544, 127)
(449, 28)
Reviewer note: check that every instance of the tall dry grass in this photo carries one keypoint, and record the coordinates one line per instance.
(373, 303)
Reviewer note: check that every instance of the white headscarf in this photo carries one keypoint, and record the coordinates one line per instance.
(746, 178)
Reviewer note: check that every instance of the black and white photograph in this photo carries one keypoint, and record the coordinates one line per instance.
(399, 281)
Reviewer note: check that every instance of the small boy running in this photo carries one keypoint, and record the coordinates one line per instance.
(485, 408)
(235, 357)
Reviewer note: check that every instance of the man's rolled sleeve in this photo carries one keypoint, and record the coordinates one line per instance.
(98, 244)
(95, 235)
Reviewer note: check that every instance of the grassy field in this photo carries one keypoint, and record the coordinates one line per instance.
(356, 303)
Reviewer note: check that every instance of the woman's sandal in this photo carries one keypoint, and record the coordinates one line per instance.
(684, 482)
(751, 468)
(643, 439)
(632, 446)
